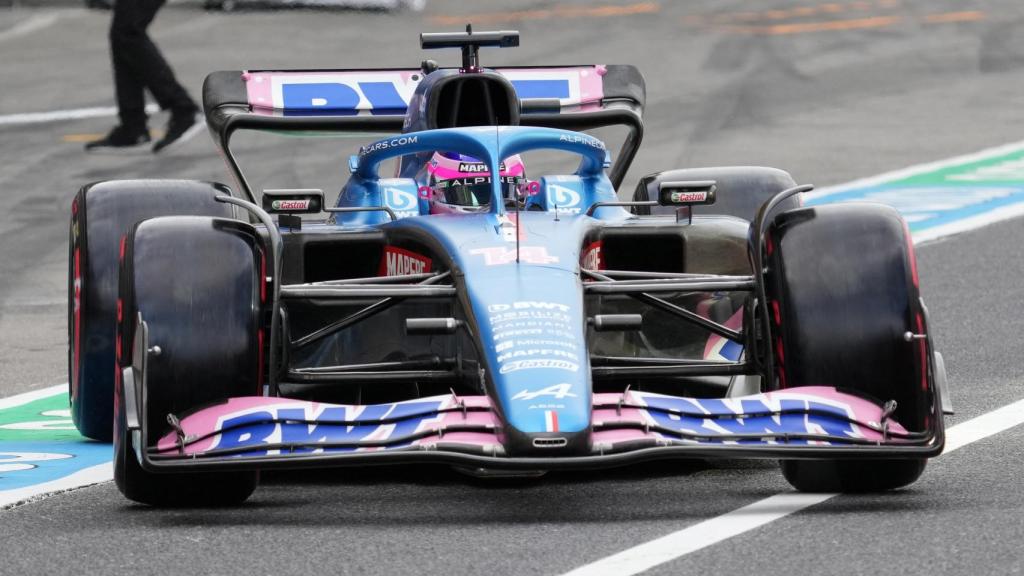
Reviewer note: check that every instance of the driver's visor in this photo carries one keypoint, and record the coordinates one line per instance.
(476, 191)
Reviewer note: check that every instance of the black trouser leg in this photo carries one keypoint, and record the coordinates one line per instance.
(138, 64)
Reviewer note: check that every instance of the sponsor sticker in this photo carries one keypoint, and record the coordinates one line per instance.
(307, 425)
(532, 334)
(290, 205)
(388, 143)
(400, 262)
(332, 91)
(529, 352)
(592, 259)
(565, 198)
(688, 197)
(478, 167)
(582, 139)
(517, 365)
(403, 202)
(528, 305)
(498, 255)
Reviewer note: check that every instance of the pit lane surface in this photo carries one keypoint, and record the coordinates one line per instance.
(832, 92)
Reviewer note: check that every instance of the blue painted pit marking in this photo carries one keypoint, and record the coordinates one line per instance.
(39, 445)
(945, 197)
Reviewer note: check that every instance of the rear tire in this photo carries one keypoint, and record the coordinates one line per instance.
(101, 214)
(205, 317)
(843, 281)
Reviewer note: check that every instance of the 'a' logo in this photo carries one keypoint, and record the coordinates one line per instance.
(558, 391)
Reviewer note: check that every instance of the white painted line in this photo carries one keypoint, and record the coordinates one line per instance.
(667, 548)
(29, 25)
(85, 477)
(26, 397)
(984, 426)
(703, 534)
(967, 224)
(65, 115)
(909, 171)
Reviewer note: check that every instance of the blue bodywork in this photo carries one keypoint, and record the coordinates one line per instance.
(529, 314)
(490, 144)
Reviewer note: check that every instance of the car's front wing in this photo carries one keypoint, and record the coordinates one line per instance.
(262, 432)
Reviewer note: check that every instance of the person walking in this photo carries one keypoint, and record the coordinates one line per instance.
(138, 66)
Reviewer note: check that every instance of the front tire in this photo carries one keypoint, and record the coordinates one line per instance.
(198, 284)
(842, 289)
(851, 475)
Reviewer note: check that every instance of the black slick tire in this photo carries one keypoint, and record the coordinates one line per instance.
(101, 214)
(197, 282)
(842, 292)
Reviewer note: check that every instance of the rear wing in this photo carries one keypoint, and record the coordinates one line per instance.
(579, 97)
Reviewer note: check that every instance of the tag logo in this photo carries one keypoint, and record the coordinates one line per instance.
(529, 254)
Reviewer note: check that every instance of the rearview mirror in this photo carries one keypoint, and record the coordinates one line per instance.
(293, 201)
(686, 193)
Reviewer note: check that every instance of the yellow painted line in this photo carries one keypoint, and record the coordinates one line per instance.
(777, 14)
(82, 138)
(968, 16)
(607, 11)
(822, 26)
(791, 13)
(736, 17)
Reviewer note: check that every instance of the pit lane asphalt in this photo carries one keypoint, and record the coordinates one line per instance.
(889, 86)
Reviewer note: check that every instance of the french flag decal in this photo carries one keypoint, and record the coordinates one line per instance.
(551, 420)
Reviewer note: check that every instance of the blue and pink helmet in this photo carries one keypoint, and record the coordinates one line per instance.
(460, 183)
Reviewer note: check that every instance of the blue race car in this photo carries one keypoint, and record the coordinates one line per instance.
(461, 312)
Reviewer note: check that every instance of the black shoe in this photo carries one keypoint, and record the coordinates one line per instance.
(180, 128)
(119, 139)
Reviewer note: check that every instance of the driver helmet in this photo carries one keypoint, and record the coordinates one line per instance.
(460, 183)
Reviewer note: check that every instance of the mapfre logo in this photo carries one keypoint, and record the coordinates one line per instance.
(400, 262)
(592, 259)
(477, 167)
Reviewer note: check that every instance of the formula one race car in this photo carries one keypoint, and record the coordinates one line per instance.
(462, 313)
